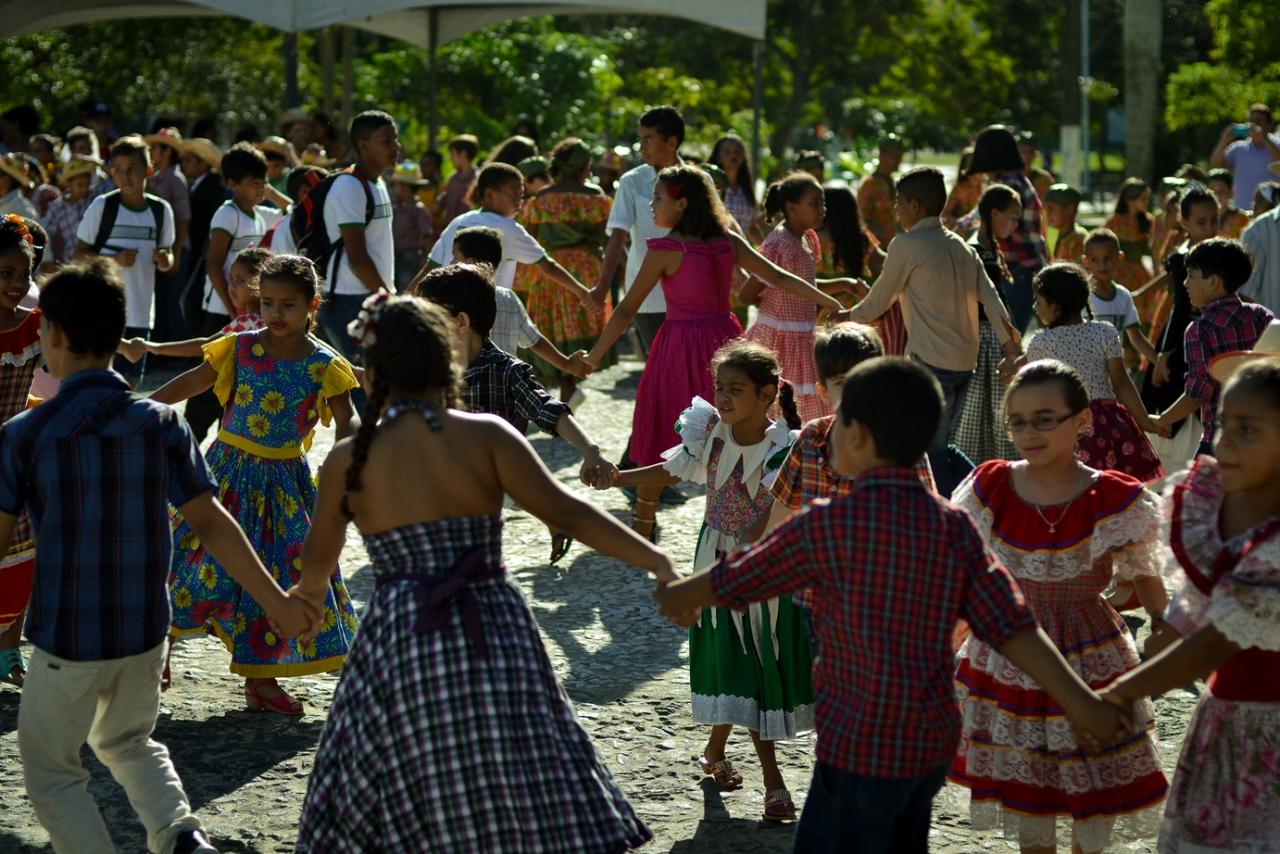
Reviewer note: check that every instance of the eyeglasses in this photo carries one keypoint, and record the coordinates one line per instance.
(1040, 423)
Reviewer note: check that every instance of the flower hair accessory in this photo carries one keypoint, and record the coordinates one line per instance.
(674, 191)
(363, 328)
(19, 225)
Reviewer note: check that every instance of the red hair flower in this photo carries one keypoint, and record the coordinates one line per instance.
(19, 225)
(674, 191)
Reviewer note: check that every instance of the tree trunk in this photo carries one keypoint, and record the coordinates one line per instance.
(1143, 21)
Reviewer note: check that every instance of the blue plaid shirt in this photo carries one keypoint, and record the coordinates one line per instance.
(96, 467)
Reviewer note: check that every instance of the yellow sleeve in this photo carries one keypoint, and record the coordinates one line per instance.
(338, 379)
(221, 356)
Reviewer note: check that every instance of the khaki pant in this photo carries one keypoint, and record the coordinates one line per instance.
(112, 704)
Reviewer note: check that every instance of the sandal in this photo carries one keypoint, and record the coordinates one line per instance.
(651, 521)
(778, 806)
(13, 669)
(281, 704)
(726, 776)
(560, 545)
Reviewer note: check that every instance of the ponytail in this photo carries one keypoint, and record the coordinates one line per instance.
(787, 403)
(786, 191)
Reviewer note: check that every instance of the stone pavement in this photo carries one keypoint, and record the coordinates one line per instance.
(624, 668)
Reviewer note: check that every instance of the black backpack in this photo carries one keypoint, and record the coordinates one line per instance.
(308, 226)
(111, 210)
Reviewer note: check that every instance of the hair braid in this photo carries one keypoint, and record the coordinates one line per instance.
(364, 438)
(787, 403)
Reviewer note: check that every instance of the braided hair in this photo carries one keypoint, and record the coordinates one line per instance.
(760, 365)
(410, 354)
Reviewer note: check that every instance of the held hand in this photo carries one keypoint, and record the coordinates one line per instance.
(297, 617)
(126, 258)
(682, 619)
(1151, 425)
(578, 365)
(861, 288)
(133, 349)
(1098, 724)
(594, 300)
(163, 260)
(1009, 367)
(1161, 638)
(1128, 713)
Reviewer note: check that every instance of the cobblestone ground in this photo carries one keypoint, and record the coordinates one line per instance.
(625, 669)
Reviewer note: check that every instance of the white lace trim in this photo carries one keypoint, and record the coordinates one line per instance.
(772, 724)
(1104, 662)
(18, 359)
(699, 426)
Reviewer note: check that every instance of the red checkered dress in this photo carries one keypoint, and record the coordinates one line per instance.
(19, 358)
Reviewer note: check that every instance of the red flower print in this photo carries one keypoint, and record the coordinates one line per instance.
(208, 610)
(265, 643)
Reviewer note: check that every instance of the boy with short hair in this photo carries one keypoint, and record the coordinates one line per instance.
(1109, 301)
(1061, 204)
(136, 230)
(887, 720)
(463, 150)
(410, 222)
(97, 467)
(1216, 270)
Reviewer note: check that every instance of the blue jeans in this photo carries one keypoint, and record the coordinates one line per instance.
(335, 313)
(1020, 297)
(950, 466)
(846, 813)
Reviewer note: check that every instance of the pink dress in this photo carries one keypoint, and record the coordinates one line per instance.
(785, 323)
(698, 323)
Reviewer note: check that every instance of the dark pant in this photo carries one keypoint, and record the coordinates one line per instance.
(132, 371)
(847, 813)
(1020, 298)
(408, 262)
(204, 410)
(950, 466)
(170, 318)
(335, 313)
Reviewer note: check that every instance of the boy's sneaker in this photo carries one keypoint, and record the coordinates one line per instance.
(193, 842)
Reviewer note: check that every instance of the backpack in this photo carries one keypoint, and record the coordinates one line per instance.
(111, 211)
(307, 223)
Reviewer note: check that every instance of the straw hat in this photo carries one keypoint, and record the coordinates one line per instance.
(14, 167)
(1268, 347)
(291, 116)
(166, 136)
(204, 150)
(407, 172)
(315, 155)
(78, 166)
(279, 145)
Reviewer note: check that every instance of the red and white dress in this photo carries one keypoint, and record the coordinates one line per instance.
(1226, 790)
(785, 323)
(19, 358)
(1017, 754)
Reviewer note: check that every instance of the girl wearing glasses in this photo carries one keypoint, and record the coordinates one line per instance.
(1064, 530)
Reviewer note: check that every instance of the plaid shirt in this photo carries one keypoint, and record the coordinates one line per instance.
(1026, 246)
(61, 221)
(1224, 326)
(96, 467)
(894, 566)
(502, 385)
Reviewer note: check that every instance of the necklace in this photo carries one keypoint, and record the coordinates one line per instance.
(1053, 526)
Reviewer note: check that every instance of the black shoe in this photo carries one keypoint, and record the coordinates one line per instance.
(193, 842)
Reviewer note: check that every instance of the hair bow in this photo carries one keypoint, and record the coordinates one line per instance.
(364, 328)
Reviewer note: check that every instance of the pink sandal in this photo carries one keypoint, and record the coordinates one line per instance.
(778, 806)
(726, 776)
(283, 704)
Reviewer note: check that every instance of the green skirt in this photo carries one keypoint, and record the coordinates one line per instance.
(738, 674)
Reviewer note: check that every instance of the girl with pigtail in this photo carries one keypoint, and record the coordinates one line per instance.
(748, 669)
(275, 384)
(448, 666)
(785, 322)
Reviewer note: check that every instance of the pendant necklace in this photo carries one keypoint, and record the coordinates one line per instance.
(1053, 526)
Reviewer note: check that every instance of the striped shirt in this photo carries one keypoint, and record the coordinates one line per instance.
(97, 467)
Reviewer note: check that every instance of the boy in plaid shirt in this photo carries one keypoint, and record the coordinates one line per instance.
(497, 382)
(894, 566)
(1216, 270)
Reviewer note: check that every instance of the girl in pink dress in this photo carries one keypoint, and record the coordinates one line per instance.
(694, 263)
(785, 322)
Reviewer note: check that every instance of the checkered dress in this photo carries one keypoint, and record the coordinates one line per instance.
(440, 743)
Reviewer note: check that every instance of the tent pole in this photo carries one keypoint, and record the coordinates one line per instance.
(433, 44)
(757, 98)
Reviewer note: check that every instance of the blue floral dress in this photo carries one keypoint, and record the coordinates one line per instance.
(259, 459)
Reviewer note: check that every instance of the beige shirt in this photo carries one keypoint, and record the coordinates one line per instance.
(940, 281)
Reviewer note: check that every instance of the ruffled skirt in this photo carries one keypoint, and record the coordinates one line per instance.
(1116, 442)
(794, 347)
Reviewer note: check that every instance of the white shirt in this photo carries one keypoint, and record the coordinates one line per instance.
(518, 245)
(1262, 239)
(1119, 311)
(282, 240)
(245, 231)
(631, 212)
(133, 229)
(345, 205)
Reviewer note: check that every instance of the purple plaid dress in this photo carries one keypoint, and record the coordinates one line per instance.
(449, 731)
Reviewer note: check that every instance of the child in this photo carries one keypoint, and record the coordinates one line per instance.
(1115, 438)
(98, 458)
(1063, 530)
(785, 323)
(419, 693)
(302, 180)
(275, 384)
(1216, 269)
(1231, 220)
(976, 433)
(243, 290)
(694, 263)
(1109, 301)
(139, 238)
(746, 668)
(410, 223)
(1224, 624)
(1131, 222)
(512, 327)
(1060, 206)
(452, 203)
(497, 382)
(893, 567)
(19, 358)
(65, 212)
